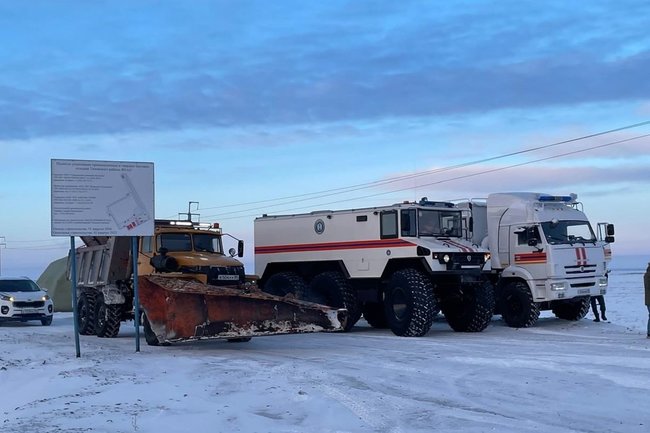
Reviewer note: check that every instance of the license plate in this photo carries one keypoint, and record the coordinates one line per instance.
(583, 291)
(228, 277)
(30, 311)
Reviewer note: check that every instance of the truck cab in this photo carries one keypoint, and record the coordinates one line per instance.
(545, 254)
(191, 248)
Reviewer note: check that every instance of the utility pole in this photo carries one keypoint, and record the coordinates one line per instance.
(3, 243)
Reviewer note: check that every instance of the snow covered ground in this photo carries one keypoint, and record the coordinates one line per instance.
(556, 377)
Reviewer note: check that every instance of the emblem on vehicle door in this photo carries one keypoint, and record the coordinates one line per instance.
(319, 226)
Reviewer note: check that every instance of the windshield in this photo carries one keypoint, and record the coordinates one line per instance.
(438, 223)
(208, 242)
(178, 242)
(18, 286)
(568, 232)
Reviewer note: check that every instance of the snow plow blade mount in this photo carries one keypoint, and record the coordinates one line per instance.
(179, 309)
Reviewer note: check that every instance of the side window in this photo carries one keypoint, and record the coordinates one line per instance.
(527, 234)
(147, 244)
(389, 224)
(408, 223)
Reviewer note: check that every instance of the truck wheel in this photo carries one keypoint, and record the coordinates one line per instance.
(375, 315)
(517, 306)
(107, 319)
(333, 289)
(283, 283)
(470, 308)
(149, 335)
(571, 309)
(86, 314)
(409, 303)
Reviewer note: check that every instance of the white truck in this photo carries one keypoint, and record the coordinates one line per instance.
(544, 254)
(399, 265)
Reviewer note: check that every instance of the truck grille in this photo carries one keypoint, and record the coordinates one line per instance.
(580, 269)
(461, 261)
(226, 275)
(25, 304)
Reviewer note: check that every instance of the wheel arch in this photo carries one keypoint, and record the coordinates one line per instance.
(394, 265)
(305, 269)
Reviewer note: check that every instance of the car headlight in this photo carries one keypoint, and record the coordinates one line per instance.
(45, 298)
(486, 258)
(7, 298)
(558, 286)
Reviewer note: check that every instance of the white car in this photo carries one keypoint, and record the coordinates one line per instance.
(21, 299)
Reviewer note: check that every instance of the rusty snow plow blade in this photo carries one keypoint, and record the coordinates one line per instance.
(180, 309)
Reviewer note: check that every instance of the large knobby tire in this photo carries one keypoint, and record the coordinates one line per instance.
(86, 314)
(333, 289)
(107, 319)
(469, 308)
(149, 335)
(571, 309)
(284, 283)
(517, 306)
(409, 303)
(375, 315)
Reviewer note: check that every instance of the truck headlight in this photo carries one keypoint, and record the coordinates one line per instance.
(558, 286)
(602, 282)
(486, 258)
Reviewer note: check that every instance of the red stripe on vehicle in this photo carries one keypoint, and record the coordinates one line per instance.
(530, 258)
(331, 246)
(581, 256)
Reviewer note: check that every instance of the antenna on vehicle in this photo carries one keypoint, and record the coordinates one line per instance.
(189, 214)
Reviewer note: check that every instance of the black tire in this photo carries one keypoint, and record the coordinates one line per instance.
(470, 308)
(107, 319)
(333, 289)
(149, 336)
(571, 309)
(284, 283)
(375, 315)
(47, 321)
(239, 340)
(409, 303)
(86, 314)
(517, 306)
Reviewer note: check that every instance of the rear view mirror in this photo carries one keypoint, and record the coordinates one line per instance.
(532, 242)
(609, 239)
(240, 248)
(610, 230)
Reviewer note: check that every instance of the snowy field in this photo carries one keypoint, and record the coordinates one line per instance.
(556, 377)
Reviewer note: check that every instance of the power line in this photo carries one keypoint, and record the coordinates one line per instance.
(351, 188)
(460, 177)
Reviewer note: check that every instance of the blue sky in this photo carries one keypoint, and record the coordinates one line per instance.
(240, 105)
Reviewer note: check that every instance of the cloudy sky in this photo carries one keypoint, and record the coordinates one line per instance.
(252, 107)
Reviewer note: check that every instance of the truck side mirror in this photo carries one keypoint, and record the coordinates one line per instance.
(609, 239)
(532, 242)
(240, 248)
(610, 230)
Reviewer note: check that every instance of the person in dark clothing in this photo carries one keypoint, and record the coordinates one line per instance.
(646, 286)
(601, 302)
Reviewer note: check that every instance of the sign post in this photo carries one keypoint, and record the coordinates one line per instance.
(98, 199)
